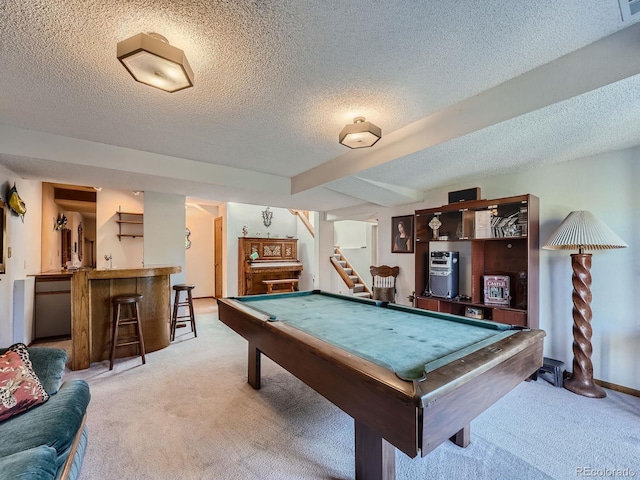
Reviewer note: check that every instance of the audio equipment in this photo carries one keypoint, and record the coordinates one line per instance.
(464, 195)
(443, 274)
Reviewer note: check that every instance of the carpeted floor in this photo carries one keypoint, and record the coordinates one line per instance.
(189, 414)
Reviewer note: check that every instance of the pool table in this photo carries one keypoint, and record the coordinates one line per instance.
(410, 378)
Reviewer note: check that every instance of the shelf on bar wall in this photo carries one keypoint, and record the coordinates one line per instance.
(126, 219)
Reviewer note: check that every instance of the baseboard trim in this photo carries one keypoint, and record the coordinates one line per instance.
(618, 388)
(612, 386)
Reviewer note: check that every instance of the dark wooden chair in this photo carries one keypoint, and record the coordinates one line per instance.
(384, 282)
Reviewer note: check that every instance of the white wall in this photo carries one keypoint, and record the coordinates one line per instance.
(607, 185)
(127, 252)
(164, 224)
(307, 253)
(328, 279)
(23, 238)
(199, 258)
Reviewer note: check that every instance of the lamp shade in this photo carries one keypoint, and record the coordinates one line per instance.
(152, 61)
(360, 134)
(581, 230)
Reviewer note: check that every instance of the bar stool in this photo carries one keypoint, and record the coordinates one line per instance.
(186, 303)
(133, 301)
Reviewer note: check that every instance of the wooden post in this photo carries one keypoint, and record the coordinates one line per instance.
(80, 324)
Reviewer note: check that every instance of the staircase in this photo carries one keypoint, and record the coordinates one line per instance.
(304, 216)
(349, 275)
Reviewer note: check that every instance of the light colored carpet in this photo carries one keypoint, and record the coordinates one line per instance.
(189, 414)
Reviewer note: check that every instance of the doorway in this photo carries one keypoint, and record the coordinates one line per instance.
(217, 256)
(68, 226)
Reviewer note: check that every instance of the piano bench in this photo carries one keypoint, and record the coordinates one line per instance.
(288, 285)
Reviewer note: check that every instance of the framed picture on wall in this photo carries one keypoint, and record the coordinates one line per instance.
(402, 234)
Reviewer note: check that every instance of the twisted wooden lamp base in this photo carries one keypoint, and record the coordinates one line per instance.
(581, 381)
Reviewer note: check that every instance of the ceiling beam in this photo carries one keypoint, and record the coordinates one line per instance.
(601, 63)
(378, 193)
(46, 146)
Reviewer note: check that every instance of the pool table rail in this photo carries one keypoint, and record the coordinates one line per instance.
(462, 370)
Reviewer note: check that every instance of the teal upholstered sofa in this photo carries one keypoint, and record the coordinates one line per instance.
(48, 441)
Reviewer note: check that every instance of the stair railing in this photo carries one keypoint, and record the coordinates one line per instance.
(303, 215)
(345, 277)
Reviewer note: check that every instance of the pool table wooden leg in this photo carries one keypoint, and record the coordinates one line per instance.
(463, 437)
(375, 457)
(254, 366)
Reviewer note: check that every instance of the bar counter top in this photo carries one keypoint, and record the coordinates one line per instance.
(92, 291)
(148, 271)
(53, 273)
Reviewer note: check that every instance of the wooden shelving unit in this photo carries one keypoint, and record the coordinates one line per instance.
(126, 219)
(508, 246)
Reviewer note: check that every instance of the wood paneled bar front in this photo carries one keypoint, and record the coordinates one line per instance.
(92, 310)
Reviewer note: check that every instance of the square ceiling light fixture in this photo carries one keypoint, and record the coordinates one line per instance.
(151, 60)
(360, 134)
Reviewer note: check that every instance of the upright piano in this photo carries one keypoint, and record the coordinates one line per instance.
(266, 259)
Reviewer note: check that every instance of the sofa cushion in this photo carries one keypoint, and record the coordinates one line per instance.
(49, 364)
(20, 388)
(37, 463)
(54, 423)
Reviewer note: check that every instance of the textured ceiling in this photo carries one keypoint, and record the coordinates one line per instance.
(459, 88)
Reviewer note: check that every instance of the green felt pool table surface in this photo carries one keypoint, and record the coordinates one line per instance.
(409, 342)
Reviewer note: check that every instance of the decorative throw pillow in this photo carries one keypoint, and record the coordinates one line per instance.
(20, 388)
(48, 364)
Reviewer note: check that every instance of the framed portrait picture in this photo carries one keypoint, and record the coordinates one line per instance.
(402, 234)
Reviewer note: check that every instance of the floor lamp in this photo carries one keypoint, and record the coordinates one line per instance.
(582, 231)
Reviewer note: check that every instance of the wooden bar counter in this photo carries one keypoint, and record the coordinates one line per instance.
(92, 310)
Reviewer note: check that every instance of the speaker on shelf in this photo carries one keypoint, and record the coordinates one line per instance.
(464, 195)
